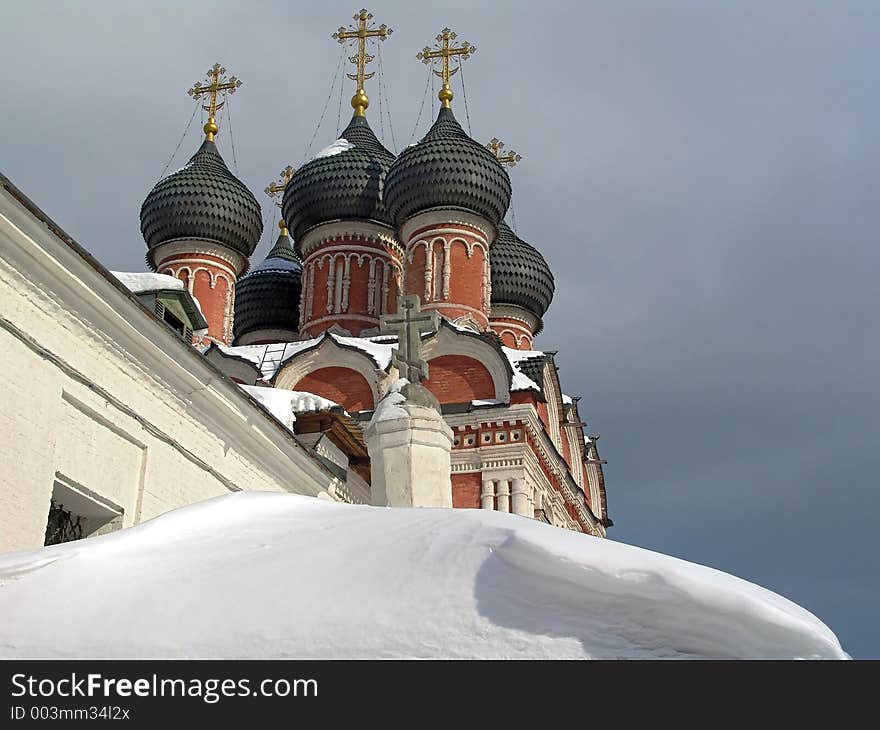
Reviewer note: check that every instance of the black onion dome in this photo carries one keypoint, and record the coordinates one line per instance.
(342, 186)
(268, 297)
(447, 169)
(520, 275)
(203, 200)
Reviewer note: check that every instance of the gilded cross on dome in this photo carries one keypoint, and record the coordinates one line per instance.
(215, 85)
(511, 158)
(444, 52)
(275, 189)
(360, 101)
(408, 324)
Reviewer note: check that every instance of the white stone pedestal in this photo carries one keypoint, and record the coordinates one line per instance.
(409, 444)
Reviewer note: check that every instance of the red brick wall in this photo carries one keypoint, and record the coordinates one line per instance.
(344, 386)
(465, 280)
(356, 317)
(466, 490)
(511, 334)
(459, 379)
(216, 301)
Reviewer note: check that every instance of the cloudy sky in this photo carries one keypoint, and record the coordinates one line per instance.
(703, 177)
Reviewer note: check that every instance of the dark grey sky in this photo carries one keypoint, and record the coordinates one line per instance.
(702, 177)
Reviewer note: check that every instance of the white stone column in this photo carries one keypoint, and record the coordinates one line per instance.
(519, 498)
(504, 495)
(409, 445)
(487, 498)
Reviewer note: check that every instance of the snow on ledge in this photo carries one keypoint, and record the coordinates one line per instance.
(340, 145)
(285, 404)
(390, 408)
(141, 282)
(310, 578)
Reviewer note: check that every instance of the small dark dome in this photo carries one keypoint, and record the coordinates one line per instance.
(447, 169)
(203, 201)
(268, 297)
(520, 275)
(340, 184)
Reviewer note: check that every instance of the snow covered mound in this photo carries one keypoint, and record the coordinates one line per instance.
(269, 575)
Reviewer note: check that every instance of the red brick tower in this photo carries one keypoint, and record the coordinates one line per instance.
(522, 289)
(201, 223)
(352, 262)
(446, 195)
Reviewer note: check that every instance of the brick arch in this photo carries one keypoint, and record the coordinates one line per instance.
(459, 379)
(344, 386)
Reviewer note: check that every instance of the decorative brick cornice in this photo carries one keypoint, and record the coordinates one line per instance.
(349, 231)
(434, 221)
(193, 248)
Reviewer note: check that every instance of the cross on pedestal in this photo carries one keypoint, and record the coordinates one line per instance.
(408, 324)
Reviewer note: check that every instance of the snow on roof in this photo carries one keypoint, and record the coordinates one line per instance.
(521, 381)
(340, 145)
(495, 586)
(285, 404)
(270, 358)
(141, 282)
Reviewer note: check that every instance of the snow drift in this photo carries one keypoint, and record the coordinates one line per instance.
(269, 575)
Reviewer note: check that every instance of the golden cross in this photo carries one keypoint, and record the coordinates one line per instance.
(445, 52)
(511, 158)
(274, 189)
(360, 101)
(215, 86)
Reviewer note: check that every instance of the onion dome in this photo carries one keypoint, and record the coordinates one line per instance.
(202, 201)
(343, 182)
(447, 170)
(268, 297)
(520, 275)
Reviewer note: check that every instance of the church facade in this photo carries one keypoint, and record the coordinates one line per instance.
(297, 350)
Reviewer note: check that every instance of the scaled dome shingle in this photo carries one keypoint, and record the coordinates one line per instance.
(268, 297)
(520, 275)
(203, 200)
(346, 185)
(447, 170)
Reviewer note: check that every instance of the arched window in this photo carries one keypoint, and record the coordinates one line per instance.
(337, 292)
(438, 271)
(381, 275)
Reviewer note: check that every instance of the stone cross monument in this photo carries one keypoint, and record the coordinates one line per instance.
(408, 324)
(408, 441)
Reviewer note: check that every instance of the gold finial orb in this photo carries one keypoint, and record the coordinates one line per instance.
(445, 95)
(211, 129)
(360, 101)
(282, 225)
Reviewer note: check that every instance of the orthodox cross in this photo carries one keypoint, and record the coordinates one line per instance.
(444, 52)
(361, 58)
(408, 324)
(511, 158)
(275, 189)
(216, 84)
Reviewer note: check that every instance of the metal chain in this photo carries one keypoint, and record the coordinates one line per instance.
(464, 93)
(186, 129)
(231, 137)
(421, 107)
(383, 91)
(326, 104)
(339, 111)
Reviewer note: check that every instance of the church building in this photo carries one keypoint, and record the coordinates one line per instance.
(383, 352)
